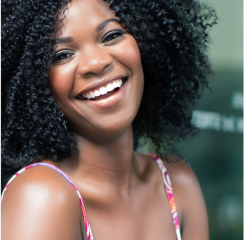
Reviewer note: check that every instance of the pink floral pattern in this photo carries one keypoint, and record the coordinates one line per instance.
(169, 192)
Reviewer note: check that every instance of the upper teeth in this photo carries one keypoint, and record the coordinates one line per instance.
(104, 89)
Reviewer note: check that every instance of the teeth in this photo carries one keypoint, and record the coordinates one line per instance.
(92, 94)
(115, 84)
(97, 93)
(110, 87)
(103, 90)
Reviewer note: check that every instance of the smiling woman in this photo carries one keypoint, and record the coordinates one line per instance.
(100, 56)
(74, 105)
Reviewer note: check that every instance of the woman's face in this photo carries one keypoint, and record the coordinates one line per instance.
(97, 76)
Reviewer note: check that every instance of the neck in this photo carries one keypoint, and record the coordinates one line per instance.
(110, 163)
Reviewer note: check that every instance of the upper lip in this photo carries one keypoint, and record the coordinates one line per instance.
(101, 83)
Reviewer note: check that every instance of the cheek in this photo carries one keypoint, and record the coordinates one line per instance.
(61, 81)
(132, 58)
(130, 55)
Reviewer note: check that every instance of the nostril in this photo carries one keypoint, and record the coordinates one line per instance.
(106, 66)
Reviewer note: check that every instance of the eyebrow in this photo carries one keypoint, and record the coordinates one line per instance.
(62, 40)
(102, 25)
(99, 28)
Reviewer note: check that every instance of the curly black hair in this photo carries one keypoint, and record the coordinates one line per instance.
(172, 39)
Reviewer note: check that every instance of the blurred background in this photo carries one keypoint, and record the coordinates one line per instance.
(216, 153)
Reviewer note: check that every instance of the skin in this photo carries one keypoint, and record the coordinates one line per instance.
(122, 190)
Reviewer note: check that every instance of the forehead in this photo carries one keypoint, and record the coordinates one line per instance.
(81, 13)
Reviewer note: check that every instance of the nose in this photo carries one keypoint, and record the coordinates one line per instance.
(94, 61)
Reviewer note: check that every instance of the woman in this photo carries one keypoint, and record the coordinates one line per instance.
(73, 79)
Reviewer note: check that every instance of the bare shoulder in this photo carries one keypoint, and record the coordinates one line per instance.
(40, 204)
(189, 200)
(181, 175)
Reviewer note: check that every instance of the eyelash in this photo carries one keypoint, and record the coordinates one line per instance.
(58, 55)
(113, 34)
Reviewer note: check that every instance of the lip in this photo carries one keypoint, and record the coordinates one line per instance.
(101, 83)
(110, 101)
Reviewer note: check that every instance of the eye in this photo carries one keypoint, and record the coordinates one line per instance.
(62, 56)
(112, 35)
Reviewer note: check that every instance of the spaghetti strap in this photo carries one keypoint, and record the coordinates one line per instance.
(86, 222)
(169, 192)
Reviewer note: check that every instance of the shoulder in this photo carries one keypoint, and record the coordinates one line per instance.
(40, 203)
(181, 175)
(188, 199)
(188, 196)
(179, 172)
(40, 180)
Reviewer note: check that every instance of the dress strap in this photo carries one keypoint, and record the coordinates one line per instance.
(87, 225)
(169, 192)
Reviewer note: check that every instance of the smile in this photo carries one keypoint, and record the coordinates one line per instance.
(102, 90)
(116, 84)
(105, 93)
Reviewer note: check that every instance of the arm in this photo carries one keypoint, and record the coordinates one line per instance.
(189, 202)
(40, 204)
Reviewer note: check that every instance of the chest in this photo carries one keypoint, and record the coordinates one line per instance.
(147, 218)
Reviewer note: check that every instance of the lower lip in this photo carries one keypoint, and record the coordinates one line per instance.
(109, 101)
